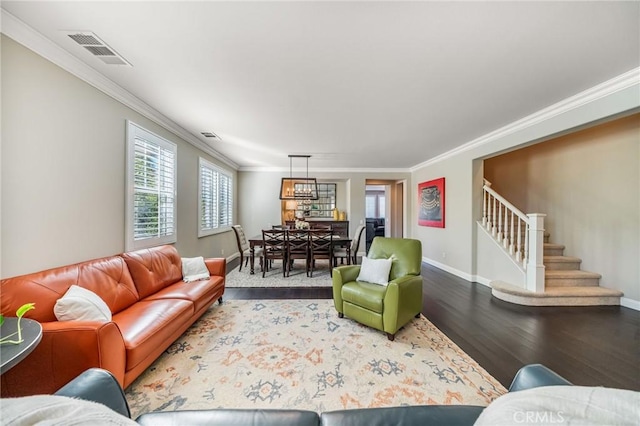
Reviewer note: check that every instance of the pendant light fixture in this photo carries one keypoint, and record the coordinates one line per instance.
(298, 188)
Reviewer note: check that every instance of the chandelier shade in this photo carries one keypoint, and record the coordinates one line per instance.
(298, 188)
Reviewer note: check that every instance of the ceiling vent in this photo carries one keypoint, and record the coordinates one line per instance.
(210, 135)
(97, 47)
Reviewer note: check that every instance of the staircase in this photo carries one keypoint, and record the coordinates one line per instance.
(565, 284)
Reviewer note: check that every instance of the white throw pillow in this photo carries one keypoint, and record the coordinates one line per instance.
(572, 405)
(54, 410)
(375, 271)
(194, 269)
(80, 304)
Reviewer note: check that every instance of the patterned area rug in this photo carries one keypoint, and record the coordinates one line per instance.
(299, 354)
(273, 278)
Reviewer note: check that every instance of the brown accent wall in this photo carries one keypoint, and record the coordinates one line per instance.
(588, 184)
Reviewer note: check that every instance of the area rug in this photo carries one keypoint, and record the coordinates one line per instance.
(299, 354)
(273, 278)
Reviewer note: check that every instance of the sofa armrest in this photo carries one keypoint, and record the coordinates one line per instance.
(217, 266)
(66, 350)
(342, 275)
(97, 385)
(231, 417)
(536, 375)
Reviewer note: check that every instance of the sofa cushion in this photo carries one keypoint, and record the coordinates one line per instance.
(146, 325)
(406, 415)
(202, 293)
(366, 295)
(154, 269)
(231, 417)
(80, 304)
(107, 277)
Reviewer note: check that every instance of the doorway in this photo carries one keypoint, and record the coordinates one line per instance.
(384, 209)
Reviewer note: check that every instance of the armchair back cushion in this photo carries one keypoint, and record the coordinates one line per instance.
(406, 255)
(154, 269)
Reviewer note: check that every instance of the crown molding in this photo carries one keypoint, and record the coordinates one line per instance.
(35, 41)
(322, 170)
(623, 81)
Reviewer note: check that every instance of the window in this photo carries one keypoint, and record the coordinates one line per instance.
(151, 194)
(215, 201)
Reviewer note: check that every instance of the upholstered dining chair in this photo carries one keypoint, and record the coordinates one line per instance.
(395, 299)
(350, 253)
(274, 247)
(320, 247)
(244, 249)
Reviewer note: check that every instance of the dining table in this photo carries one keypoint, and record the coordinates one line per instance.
(256, 241)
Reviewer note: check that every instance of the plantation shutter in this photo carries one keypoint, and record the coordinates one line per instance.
(216, 200)
(152, 177)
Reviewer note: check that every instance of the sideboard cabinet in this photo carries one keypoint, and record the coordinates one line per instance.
(339, 227)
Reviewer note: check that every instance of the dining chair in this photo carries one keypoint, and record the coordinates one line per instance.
(321, 247)
(244, 248)
(297, 248)
(349, 252)
(274, 247)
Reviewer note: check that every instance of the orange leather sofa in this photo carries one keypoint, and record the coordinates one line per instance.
(150, 304)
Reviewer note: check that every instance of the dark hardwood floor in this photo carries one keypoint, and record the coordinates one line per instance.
(590, 346)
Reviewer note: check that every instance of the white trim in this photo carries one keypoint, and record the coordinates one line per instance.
(30, 38)
(482, 280)
(458, 273)
(321, 170)
(630, 303)
(609, 87)
(448, 269)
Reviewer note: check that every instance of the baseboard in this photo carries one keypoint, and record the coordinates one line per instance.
(457, 272)
(630, 303)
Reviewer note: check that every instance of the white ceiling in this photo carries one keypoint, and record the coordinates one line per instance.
(355, 84)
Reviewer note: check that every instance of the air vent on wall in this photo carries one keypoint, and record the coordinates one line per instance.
(97, 47)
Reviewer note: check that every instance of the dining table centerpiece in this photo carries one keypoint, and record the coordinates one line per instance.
(301, 224)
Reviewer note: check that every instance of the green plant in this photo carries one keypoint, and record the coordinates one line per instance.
(19, 313)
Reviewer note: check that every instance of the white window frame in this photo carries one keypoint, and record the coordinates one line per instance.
(134, 132)
(216, 199)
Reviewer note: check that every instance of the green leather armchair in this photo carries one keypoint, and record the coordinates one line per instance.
(383, 308)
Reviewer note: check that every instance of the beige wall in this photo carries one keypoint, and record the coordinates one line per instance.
(455, 248)
(63, 170)
(588, 185)
(260, 206)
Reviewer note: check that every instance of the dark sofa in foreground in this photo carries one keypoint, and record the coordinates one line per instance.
(537, 395)
(98, 385)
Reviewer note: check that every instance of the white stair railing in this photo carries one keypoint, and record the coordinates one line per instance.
(520, 234)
